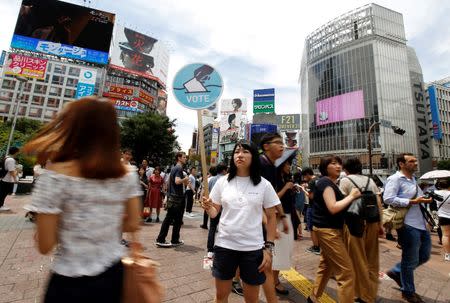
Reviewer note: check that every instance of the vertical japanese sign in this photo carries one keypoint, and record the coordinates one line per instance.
(26, 66)
(264, 100)
(86, 83)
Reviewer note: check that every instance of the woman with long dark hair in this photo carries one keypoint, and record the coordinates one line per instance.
(84, 201)
(328, 221)
(241, 197)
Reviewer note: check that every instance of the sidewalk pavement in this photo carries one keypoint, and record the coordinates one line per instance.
(24, 272)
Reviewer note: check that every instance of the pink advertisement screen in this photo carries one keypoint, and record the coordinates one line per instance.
(340, 108)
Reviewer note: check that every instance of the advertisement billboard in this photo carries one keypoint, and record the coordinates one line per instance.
(291, 138)
(132, 106)
(437, 128)
(233, 117)
(21, 65)
(340, 108)
(258, 130)
(162, 103)
(64, 29)
(140, 54)
(86, 83)
(264, 100)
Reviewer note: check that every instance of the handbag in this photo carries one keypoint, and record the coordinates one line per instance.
(394, 217)
(146, 212)
(140, 281)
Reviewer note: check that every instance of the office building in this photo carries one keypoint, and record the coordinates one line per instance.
(357, 70)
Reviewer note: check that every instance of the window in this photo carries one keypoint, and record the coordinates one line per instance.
(59, 69)
(52, 102)
(40, 89)
(69, 93)
(35, 112)
(8, 84)
(4, 108)
(55, 91)
(74, 71)
(38, 100)
(71, 82)
(57, 80)
(50, 114)
(6, 96)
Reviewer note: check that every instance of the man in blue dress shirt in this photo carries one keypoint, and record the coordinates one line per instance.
(401, 190)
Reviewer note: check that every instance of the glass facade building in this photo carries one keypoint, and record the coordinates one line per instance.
(356, 71)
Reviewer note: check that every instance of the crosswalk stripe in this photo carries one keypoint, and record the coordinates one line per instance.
(303, 285)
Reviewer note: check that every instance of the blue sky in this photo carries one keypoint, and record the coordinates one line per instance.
(256, 44)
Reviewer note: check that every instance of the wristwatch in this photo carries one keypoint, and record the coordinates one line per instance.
(270, 247)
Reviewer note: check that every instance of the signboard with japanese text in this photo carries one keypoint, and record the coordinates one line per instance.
(21, 65)
(288, 122)
(86, 83)
(140, 54)
(127, 105)
(64, 29)
(264, 100)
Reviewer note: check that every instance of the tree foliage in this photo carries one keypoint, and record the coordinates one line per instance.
(444, 164)
(25, 129)
(150, 136)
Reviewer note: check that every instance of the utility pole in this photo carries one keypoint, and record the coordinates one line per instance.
(22, 80)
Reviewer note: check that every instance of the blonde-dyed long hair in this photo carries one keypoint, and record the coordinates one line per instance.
(86, 130)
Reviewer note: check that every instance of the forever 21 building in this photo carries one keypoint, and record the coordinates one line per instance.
(357, 70)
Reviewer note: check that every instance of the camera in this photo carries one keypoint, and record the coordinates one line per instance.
(431, 194)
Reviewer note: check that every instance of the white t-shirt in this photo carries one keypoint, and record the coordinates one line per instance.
(240, 225)
(444, 210)
(10, 165)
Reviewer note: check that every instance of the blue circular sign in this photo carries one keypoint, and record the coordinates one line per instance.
(197, 86)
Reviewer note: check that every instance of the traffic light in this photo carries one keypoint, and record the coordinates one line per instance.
(398, 130)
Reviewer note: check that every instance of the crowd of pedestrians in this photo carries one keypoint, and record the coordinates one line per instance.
(256, 208)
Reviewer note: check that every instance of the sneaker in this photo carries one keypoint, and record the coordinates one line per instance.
(447, 257)
(313, 249)
(157, 220)
(413, 298)
(396, 277)
(148, 220)
(163, 244)
(204, 227)
(4, 208)
(125, 243)
(178, 243)
(210, 254)
(237, 288)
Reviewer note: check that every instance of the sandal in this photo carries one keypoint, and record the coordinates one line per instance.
(284, 292)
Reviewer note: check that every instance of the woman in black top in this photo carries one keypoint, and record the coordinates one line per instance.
(328, 220)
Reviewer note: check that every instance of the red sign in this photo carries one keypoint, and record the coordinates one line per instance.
(26, 66)
(145, 98)
(119, 91)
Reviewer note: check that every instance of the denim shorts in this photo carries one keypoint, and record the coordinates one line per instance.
(226, 262)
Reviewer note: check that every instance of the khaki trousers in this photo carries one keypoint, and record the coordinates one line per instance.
(364, 254)
(334, 260)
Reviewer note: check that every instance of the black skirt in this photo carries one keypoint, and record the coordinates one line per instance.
(105, 287)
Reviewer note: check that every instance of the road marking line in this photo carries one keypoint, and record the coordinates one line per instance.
(303, 285)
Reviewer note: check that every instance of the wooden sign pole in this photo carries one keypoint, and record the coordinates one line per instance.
(201, 141)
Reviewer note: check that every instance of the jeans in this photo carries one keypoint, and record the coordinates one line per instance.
(416, 249)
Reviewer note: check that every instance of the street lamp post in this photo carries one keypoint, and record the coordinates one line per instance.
(369, 145)
(397, 130)
(22, 81)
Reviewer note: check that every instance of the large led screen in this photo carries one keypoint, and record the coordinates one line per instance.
(140, 54)
(64, 29)
(340, 108)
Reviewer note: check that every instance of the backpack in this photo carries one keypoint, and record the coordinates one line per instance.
(3, 170)
(370, 211)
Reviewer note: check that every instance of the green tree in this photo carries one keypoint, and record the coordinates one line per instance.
(444, 164)
(25, 129)
(150, 136)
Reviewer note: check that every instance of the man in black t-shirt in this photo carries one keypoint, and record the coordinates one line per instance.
(175, 204)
